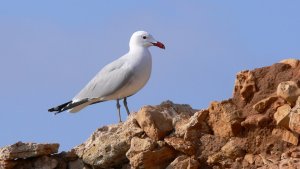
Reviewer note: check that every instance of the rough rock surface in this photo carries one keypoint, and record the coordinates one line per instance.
(257, 128)
(26, 150)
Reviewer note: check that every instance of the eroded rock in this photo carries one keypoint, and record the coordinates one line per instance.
(245, 85)
(158, 121)
(282, 117)
(184, 161)
(224, 118)
(27, 150)
(289, 91)
(108, 145)
(181, 145)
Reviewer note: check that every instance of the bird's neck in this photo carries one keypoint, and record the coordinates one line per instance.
(139, 51)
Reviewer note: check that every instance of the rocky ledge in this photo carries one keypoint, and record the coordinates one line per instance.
(258, 127)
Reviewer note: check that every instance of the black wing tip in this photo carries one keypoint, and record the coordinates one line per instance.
(59, 108)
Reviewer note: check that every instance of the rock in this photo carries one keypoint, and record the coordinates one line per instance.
(289, 91)
(294, 123)
(249, 158)
(45, 163)
(181, 145)
(233, 148)
(108, 145)
(184, 161)
(281, 116)
(155, 124)
(256, 120)
(140, 145)
(194, 126)
(158, 121)
(292, 62)
(194, 122)
(262, 105)
(7, 164)
(245, 85)
(290, 137)
(77, 164)
(27, 150)
(230, 151)
(158, 158)
(224, 118)
(215, 158)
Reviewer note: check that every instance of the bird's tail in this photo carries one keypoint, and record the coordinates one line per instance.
(67, 106)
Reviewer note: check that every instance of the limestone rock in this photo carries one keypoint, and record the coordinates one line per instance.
(77, 164)
(45, 163)
(262, 105)
(7, 164)
(224, 118)
(194, 126)
(155, 124)
(290, 137)
(181, 145)
(249, 158)
(294, 123)
(288, 90)
(256, 120)
(27, 150)
(281, 116)
(292, 62)
(245, 85)
(140, 145)
(233, 148)
(108, 145)
(184, 161)
(159, 157)
(157, 121)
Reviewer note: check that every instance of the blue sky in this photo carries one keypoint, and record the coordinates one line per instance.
(50, 49)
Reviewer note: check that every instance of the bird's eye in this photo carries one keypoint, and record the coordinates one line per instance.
(144, 37)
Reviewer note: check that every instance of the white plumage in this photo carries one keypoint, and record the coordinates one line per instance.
(119, 79)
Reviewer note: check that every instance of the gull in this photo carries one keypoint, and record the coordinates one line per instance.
(119, 79)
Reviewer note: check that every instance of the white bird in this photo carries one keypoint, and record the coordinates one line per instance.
(120, 79)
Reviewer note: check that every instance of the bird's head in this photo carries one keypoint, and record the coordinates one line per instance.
(142, 38)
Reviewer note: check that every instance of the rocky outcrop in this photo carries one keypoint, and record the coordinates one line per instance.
(258, 127)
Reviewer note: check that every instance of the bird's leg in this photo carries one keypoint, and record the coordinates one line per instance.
(125, 104)
(118, 107)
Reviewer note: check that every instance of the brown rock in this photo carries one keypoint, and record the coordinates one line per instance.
(215, 158)
(249, 158)
(290, 137)
(77, 164)
(45, 163)
(194, 126)
(7, 164)
(159, 121)
(262, 105)
(245, 85)
(155, 124)
(256, 120)
(158, 158)
(26, 150)
(184, 161)
(140, 145)
(288, 90)
(294, 123)
(108, 145)
(224, 118)
(292, 62)
(281, 116)
(234, 148)
(181, 145)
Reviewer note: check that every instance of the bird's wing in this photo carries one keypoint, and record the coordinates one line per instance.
(108, 81)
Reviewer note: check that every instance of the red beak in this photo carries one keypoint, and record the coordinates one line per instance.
(159, 44)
